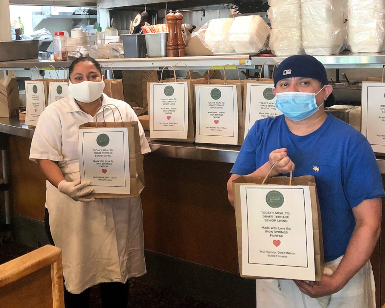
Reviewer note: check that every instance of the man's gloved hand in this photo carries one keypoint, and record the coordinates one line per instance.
(75, 190)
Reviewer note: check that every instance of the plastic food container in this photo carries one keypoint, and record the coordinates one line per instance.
(248, 34)
(59, 47)
(217, 36)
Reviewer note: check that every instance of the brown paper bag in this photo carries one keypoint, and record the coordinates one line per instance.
(191, 106)
(9, 97)
(46, 85)
(263, 81)
(135, 87)
(114, 88)
(240, 95)
(316, 215)
(136, 158)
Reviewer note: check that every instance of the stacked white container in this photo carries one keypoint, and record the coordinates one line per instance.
(248, 34)
(366, 25)
(216, 36)
(323, 27)
(285, 19)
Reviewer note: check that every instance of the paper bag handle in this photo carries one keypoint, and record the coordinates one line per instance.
(38, 75)
(188, 69)
(64, 73)
(272, 167)
(224, 76)
(57, 75)
(161, 74)
(112, 71)
(111, 107)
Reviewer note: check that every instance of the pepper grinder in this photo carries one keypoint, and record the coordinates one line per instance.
(172, 42)
(181, 48)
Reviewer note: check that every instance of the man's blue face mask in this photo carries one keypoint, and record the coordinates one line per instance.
(297, 106)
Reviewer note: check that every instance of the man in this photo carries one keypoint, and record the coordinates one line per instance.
(308, 141)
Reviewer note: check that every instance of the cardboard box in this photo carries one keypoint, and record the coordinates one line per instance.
(19, 50)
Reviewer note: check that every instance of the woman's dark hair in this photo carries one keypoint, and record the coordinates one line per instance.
(83, 59)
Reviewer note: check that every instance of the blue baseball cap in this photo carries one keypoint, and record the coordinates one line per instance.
(303, 66)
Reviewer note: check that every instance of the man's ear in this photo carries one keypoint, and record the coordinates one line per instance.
(328, 90)
(274, 91)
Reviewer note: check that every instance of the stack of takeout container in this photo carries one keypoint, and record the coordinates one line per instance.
(216, 37)
(9, 97)
(286, 34)
(323, 27)
(366, 25)
(248, 34)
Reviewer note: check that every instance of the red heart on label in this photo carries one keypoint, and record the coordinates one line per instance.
(168, 117)
(35, 110)
(276, 243)
(216, 121)
(104, 170)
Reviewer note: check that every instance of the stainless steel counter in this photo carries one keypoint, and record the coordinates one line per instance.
(204, 152)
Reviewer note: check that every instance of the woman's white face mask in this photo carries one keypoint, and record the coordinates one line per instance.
(86, 91)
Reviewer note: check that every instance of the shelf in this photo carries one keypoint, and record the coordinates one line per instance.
(206, 62)
(346, 60)
(66, 16)
(141, 63)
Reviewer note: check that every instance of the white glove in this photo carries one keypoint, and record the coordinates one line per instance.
(75, 190)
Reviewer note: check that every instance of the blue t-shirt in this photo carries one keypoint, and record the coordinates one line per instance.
(338, 156)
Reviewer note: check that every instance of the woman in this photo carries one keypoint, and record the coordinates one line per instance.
(101, 239)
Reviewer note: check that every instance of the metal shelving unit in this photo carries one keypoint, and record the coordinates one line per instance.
(142, 63)
(205, 62)
(335, 61)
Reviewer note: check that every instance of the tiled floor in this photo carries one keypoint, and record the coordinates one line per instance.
(141, 295)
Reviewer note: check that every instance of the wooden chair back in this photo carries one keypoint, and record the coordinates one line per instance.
(33, 280)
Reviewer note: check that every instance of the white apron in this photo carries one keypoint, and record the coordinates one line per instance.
(359, 292)
(102, 240)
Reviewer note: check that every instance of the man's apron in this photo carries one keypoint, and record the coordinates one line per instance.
(359, 292)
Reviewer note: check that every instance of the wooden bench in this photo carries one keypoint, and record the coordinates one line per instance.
(33, 280)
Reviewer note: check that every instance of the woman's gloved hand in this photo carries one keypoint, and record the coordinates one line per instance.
(75, 190)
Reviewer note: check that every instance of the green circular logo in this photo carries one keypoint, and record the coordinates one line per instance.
(216, 94)
(274, 199)
(103, 140)
(59, 90)
(168, 91)
(34, 88)
(268, 94)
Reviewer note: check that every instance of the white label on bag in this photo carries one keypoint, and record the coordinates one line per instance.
(277, 231)
(217, 114)
(56, 91)
(104, 159)
(260, 104)
(35, 101)
(169, 110)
